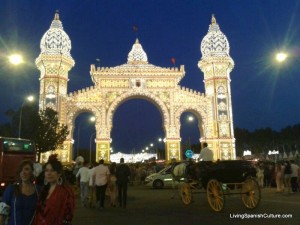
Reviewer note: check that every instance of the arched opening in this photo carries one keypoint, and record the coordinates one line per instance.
(83, 136)
(189, 133)
(137, 128)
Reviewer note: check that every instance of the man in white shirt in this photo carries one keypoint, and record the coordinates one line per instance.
(78, 163)
(206, 154)
(84, 175)
(100, 176)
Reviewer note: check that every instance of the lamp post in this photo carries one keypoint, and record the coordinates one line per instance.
(92, 119)
(151, 149)
(30, 99)
(91, 146)
(157, 149)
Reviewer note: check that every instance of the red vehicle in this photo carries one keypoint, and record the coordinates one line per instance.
(12, 152)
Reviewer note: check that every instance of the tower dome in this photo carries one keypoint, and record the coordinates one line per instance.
(215, 42)
(137, 54)
(55, 40)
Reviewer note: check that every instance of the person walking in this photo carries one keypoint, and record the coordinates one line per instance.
(294, 176)
(123, 176)
(279, 169)
(287, 176)
(78, 163)
(56, 202)
(100, 176)
(92, 188)
(84, 175)
(260, 175)
(19, 199)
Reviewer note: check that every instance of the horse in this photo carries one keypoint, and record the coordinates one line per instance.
(190, 171)
(178, 171)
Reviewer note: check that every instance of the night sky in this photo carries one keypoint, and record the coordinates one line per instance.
(264, 93)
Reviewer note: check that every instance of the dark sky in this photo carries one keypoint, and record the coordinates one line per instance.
(264, 94)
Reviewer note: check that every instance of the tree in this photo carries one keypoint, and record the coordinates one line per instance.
(50, 134)
(5, 130)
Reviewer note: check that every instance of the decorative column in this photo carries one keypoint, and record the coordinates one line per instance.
(173, 151)
(216, 64)
(103, 141)
(103, 149)
(54, 63)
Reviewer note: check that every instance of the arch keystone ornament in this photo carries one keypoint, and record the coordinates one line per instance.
(138, 79)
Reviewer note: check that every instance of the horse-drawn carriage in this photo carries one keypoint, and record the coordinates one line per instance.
(219, 179)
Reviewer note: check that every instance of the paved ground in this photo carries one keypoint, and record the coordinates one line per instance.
(151, 207)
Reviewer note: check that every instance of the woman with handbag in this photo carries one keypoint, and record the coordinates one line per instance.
(19, 199)
(56, 202)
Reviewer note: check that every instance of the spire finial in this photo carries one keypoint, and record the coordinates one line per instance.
(137, 41)
(213, 19)
(56, 17)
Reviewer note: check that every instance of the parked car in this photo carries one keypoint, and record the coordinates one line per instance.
(161, 179)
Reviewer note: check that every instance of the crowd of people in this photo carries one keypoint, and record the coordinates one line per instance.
(99, 181)
(284, 175)
(51, 201)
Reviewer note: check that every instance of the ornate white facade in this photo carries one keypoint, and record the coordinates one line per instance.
(139, 79)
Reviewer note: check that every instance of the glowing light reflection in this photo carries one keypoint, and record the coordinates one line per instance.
(281, 57)
(15, 59)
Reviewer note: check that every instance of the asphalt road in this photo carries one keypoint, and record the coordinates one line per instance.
(152, 207)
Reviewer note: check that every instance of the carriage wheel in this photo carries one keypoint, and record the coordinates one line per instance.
(250, 193)
(186, 193)
(215, 195)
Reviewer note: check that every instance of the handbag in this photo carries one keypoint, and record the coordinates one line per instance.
(4, 209)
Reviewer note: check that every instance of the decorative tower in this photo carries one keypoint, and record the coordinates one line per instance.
(54, 63)
(216, 64)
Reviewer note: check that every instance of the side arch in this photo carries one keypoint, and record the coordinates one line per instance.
(200, 113)
(74, 111)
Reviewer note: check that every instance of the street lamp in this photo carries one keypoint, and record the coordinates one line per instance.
(281, 57)
(92, 119)
(190, 118)
(29, 99)
(15, 59)
(91, 146)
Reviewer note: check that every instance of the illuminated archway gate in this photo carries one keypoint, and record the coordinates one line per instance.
(139, 79)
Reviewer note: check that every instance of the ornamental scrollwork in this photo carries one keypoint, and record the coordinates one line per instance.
(222, 106)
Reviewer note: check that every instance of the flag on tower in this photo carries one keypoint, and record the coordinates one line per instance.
(135, 28)
(173, 60)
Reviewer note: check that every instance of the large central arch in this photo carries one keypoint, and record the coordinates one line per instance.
(160, 105)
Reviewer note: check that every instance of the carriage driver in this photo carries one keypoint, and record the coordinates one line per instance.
(206, 154)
